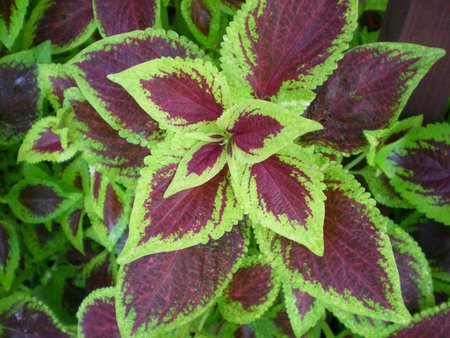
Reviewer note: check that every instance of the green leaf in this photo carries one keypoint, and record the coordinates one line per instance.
(72, 226)
(11, 25)
(42, 243)
(9, 254)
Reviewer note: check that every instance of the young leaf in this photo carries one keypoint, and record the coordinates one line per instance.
(231, 6)
(417, 166)
(33, 200)
(20, 97)
(66, 24)
(251, 292)
(282, 50)
(357, 253)
(101, 145)
(304, 311)
(47, 141)
(119, 16)
(177, 93)
(284, 193)
(42, 243)
(12, 15)
(115, 54)
(97, 315)
(367, 92)
(259, 129)
(22, 315)
(150, 298)
(100, 272)
(53, 80)
(9, 254)
(72, 226)
(202, 213)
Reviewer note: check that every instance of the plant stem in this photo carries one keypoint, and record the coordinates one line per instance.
(326, 330)
(358, 159)
(203, 320)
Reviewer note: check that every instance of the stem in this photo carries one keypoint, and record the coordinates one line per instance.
(358, 159)
(203, 320)
(326, 330)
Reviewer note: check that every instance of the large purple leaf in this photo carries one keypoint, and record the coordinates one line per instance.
(66, 23)
(418, 167)
(357, 272)
(12, 15)
(163, 291)
(281, 50)
(9, 254)
(97, 315)
(284, 193)
(20, 97)
(251, 292)
(113, 55)
(24, 316)
(122, 16)
(201, 213)
(102, 146)
(367, 92)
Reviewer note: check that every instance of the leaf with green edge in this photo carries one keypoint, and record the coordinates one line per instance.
(259, 129)
(202, 213)
(434, 322)
(24, 315)
(418, 168)
(176, 92)
(9, 254)
(282, 50)
(415, 279)
(251, 291)
(97, 315)
(357, 253)
(101, 145)
(67, 24)
(119, 16)
(72, 226)
(203, 18)
(284, 194)
(368, 91)
(150, 298)
(76, 175)
(114, 54)
(382, 190)
(379, 138)
(35, 201)
(100, 272)
(12, 16)
(42, 243)
(47, 140)
(21, 100)
(304, 311)
(53, 80)
(231, 6)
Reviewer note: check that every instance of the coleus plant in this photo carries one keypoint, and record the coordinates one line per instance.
(235, 166)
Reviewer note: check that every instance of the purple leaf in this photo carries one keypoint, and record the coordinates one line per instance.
(278, 48)
(367, 92)
(66, 23)
(150, 296)
(113, 55)
(100, 272)
(54, 79)
(122, 16)
(12, 15)
(97, 315)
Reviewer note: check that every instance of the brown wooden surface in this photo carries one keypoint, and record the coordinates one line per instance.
(426, 22)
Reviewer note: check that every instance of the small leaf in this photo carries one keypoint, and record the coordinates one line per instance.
(113, 55)
(304, 311)
(22, 315)
(42, 243)
(251, 292)
(367, 92)
(202, 213)
(97, 315)
(259, 129)
(357, 253)
(100, 272)
(418, 168)
(12, 15)
(150, 298)
(284, 193)
(282, 50)
(72, 226)
(47, 141)
(54, 79)
(175, 92)
(9, 254)
(34, 201)
(66, 24)
(119, 16)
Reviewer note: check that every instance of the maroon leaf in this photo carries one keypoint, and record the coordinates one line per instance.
(119, 16)
(367, 92)
(113, 55)
(12, 15)
(54, 79)
(151, 297)
(204, 158)
(100, 272)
